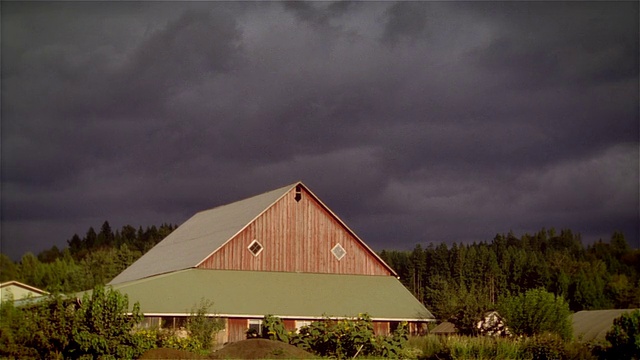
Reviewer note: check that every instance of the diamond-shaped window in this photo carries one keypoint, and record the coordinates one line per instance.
(255, 247)
(338, 251)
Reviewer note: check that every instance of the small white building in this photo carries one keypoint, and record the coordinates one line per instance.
(15, 290)
(493, 325)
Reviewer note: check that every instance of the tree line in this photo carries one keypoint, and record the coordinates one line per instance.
(87, 261)
(447, 279)
(461, 282)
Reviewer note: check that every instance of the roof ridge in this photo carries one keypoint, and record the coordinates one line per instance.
(248, 198)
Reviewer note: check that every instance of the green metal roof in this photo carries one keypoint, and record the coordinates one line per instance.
(594, 324)
(288, 295)
(199, 237)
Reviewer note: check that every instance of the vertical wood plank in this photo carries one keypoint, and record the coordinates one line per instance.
(296, 237)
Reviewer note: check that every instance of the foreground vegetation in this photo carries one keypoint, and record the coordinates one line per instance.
(534, 281)
(622, 342)
(350, 338)
(101, 327)
(97, 326)
(344, 338)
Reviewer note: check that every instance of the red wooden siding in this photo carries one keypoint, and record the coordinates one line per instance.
(297, 236)
(290, 325)
(237, 329)
(381, 327)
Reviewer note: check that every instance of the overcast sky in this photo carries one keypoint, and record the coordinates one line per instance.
(415, 122)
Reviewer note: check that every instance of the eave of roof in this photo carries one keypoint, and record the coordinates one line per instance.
(289, 295)
(22, 285)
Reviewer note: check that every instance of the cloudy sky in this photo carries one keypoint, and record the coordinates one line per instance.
(416, 122)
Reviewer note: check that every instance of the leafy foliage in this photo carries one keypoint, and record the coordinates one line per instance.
(15, 333)
(343, 338)
(536, 312)
(273, 329)
(103, 329)
(99, 326)
(546, 346)
(625, 337)
(202, 328)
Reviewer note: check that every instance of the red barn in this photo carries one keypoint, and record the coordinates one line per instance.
(283, 253)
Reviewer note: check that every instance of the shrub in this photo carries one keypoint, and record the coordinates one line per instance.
(340, 338)
(536, 312)
(202, 328)
(545, 347)
(146, 339)
(337, 338)
(15, 333)
(273, 329)
(103, 329)
(99, 326)
(625, 337)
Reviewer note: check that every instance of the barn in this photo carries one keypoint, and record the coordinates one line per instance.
(284, 253)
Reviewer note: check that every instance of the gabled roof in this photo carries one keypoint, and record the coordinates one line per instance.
(17, 290)
(245, 294)
(206, 232)
(444, 327)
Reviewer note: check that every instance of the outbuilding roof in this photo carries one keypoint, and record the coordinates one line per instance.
(288, 295)
(589, 325)
(445, 327)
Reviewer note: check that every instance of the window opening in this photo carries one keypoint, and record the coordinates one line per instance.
(301, 323)
(298, 193)
(255, 328)
(338, 251)
(255, 247)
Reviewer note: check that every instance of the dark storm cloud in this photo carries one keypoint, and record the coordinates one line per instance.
(414, 122)
(405, 20)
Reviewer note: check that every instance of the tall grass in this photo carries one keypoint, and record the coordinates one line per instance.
(464, 347)
(483, 348)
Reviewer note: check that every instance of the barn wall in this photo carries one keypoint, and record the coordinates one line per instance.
(222, 337)
(381, 327)
(237, 329)
(297, 236)
(289, 325)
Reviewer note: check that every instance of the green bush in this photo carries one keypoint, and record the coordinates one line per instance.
(103, 329)
(337, 338)
(545, 347)
(340, 338)
(202, 328)
(273, 329)
(16, 332)
(536, 312)
(625, 337)
(98, 326)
